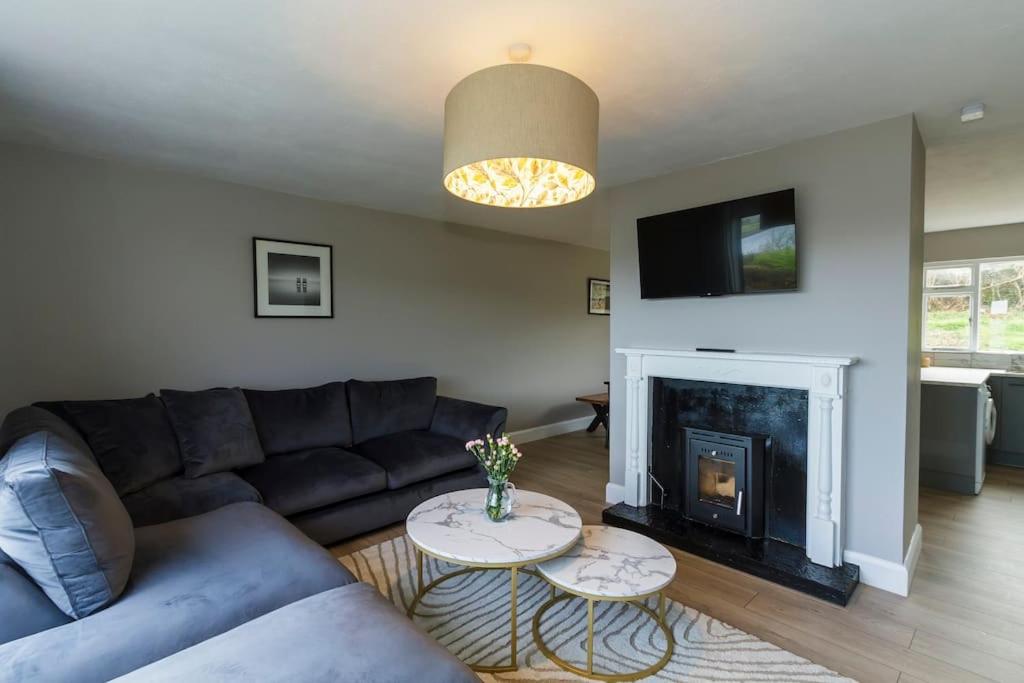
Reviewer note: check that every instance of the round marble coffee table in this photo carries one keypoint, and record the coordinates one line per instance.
(454, 528)
(614, 565)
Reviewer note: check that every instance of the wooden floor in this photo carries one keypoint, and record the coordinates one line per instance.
(964, 619)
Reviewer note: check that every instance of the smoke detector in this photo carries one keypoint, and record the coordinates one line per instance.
(972, 112)
(520, 52)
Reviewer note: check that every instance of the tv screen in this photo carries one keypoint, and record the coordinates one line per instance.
(742, 246)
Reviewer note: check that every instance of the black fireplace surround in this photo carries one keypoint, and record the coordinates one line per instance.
(773, 412)
(747, 509)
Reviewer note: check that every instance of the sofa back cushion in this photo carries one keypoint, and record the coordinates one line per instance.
(24, 608)
(132, 440)
(292, 420)
(58, 409)
(383, 408)
(61, 520)
(180, 497)
(36, 418)
(214, 428)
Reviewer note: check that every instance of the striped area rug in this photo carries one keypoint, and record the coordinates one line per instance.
(469, 615)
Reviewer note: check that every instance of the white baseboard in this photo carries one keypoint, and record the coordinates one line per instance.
(614, 493)
(889, 576)
(553, 429)
(913, 555)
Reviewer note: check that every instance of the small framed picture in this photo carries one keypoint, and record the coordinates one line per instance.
(599, 296)
(292, 279)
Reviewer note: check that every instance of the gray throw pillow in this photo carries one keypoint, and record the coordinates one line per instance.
(132, 440)
(214, 428)
(62, 522)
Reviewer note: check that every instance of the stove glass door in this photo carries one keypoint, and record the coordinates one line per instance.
(716, 481)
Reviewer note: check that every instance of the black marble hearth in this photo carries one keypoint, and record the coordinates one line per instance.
(769, 559)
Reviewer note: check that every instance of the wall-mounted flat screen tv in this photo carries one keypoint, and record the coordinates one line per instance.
(744, 246)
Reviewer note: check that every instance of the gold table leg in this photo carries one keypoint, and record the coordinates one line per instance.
(423, 590)
(515, 613)
(657, 615)
(590, 636)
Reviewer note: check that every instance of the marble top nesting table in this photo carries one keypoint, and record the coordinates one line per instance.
(454, 527)
(609, 564)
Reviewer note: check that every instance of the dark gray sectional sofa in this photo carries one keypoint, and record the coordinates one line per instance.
(220, 486)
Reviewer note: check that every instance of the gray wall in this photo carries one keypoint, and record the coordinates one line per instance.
(988, 242)
(854, 207)
(912, 470)
(118, 280)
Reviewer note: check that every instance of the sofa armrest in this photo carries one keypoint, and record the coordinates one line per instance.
(466, 420)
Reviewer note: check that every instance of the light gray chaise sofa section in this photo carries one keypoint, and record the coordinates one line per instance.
(365, 646)
(237, 593)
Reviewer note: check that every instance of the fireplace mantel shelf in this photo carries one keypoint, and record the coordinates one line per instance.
(801, 359)
(824, 379)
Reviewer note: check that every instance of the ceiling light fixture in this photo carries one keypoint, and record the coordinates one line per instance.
(520, 136)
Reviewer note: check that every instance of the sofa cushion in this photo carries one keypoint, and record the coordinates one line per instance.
(131, 439)
(313, 478)
(335, 523)
(37, 418)
(214, 429)
(296, 419)
(24, 608)
(382, 408)
(466, 420)
(410, 457)
(61, 520)
(58, 409)
(346, 634)
(181, 497)
(193, 579)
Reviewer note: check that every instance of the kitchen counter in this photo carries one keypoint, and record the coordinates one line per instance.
(957, 377)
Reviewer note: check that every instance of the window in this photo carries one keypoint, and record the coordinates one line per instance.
(939, 278)
(948, 321)
(974, 306)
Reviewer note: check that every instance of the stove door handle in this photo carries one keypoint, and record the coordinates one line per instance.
(739, 503)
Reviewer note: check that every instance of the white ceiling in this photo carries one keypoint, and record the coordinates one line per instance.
(975, 179)
(344, 100)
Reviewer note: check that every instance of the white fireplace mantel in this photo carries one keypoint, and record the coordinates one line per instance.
(824, 379)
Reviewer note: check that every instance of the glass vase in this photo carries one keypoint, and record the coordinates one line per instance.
(501, 495)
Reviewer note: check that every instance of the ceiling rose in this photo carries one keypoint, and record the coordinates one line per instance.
(520, 136)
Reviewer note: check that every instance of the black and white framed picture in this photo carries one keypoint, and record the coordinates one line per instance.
(599, 296)
(292, 279)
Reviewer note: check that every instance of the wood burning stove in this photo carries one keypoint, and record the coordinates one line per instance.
(725, 480)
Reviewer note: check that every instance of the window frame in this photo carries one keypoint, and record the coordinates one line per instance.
(973, 291)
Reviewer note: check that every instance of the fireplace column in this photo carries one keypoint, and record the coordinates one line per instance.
(636, 433)
(823, 543)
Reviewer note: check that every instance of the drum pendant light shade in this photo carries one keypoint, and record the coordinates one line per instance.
(520, 136)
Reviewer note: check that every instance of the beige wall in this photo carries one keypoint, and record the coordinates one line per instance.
(970, 243)
(118, 280)
(858, 195)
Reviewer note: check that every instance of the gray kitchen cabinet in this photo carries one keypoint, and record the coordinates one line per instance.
(1008, 446)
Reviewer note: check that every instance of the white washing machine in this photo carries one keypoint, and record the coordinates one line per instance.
(986, 432)
(989, 420)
